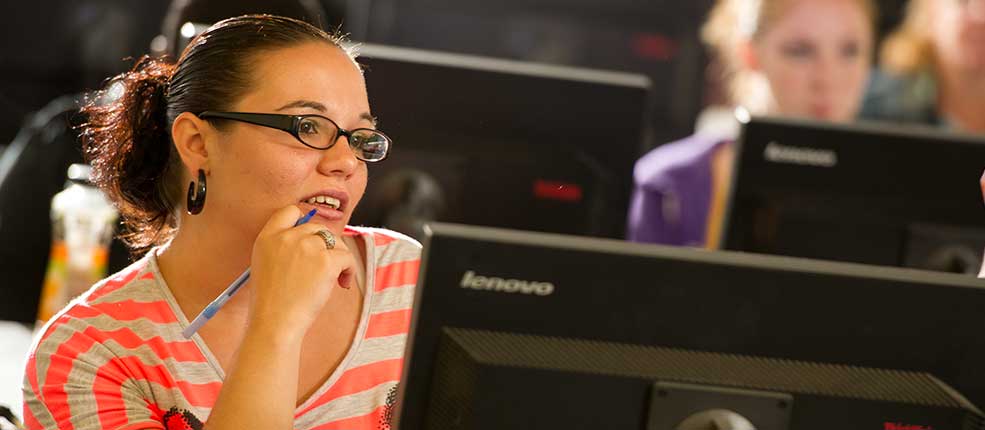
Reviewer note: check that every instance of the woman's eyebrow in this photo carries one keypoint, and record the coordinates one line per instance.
(321, 108)
(304, 103)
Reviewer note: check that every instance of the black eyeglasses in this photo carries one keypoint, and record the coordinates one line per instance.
(316, 131)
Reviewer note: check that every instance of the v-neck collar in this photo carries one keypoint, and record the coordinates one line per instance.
(370, 277)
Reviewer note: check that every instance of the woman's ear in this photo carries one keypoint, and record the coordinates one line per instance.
(190, 135)
(748, 57)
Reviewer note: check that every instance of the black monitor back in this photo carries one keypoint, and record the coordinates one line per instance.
(597, 290)
(657, 38)
(864, 193)
(501, 143)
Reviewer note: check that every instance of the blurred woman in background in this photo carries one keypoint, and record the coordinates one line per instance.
(933, 67)
(796, 58)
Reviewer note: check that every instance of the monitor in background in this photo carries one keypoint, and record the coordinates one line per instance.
(501, 143)
(528, 330)
(863, 193)
(656, 38)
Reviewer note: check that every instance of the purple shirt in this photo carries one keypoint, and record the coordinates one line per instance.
(672, 192)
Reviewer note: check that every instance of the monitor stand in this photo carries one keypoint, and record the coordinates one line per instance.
(944, 248)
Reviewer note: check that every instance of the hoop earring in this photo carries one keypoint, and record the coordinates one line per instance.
(196, 197)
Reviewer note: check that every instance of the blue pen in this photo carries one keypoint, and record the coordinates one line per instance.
(216, 304)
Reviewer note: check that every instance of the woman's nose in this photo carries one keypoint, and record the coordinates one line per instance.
(835, 71)
(823, 74)
(340, 159)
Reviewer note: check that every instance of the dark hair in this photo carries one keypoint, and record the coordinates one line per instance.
(314, 12)
(127, 138)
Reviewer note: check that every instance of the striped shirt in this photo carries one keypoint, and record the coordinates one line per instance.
(115, 357)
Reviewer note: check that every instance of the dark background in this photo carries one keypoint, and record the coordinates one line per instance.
(54, 47)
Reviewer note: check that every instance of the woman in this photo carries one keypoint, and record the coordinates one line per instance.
(251, 116)
(934, 67)
(798, 58)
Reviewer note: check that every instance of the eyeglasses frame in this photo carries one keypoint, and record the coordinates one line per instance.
(291, 124)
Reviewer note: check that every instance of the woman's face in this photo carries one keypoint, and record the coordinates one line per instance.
(816, 59)
(958, 33)
(256, 170)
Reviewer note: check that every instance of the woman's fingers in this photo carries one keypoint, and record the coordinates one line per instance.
(282, 219)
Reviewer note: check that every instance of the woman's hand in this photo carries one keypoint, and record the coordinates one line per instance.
(294, 274)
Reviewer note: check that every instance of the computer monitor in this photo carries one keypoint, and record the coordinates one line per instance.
(530, 330)
(659, 39)
(501, 143)
(875, 194)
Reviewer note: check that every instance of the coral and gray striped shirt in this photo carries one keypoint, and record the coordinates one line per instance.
(115, 358)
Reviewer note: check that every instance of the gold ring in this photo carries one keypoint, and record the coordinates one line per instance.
(328, 237)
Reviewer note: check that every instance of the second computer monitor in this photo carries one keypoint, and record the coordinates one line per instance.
(863, 193)
(501, 143)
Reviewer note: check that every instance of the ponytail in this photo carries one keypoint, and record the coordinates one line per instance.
(909, 50)
(127, 141)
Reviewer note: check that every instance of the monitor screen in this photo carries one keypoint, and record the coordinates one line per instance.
(861, 193)
(531, 330)
(501, 143)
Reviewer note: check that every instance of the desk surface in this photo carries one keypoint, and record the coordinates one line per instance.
(15, 340)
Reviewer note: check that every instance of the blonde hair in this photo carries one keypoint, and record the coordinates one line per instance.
(909, 48)
(731, 22)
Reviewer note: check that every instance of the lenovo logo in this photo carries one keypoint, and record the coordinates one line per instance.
(490, 283)
(901, 426)
(777, 153)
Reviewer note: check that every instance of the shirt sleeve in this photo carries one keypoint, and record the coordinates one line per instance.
(651, 217)
(73, 381)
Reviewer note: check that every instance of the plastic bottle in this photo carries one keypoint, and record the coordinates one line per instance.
(82, 220)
